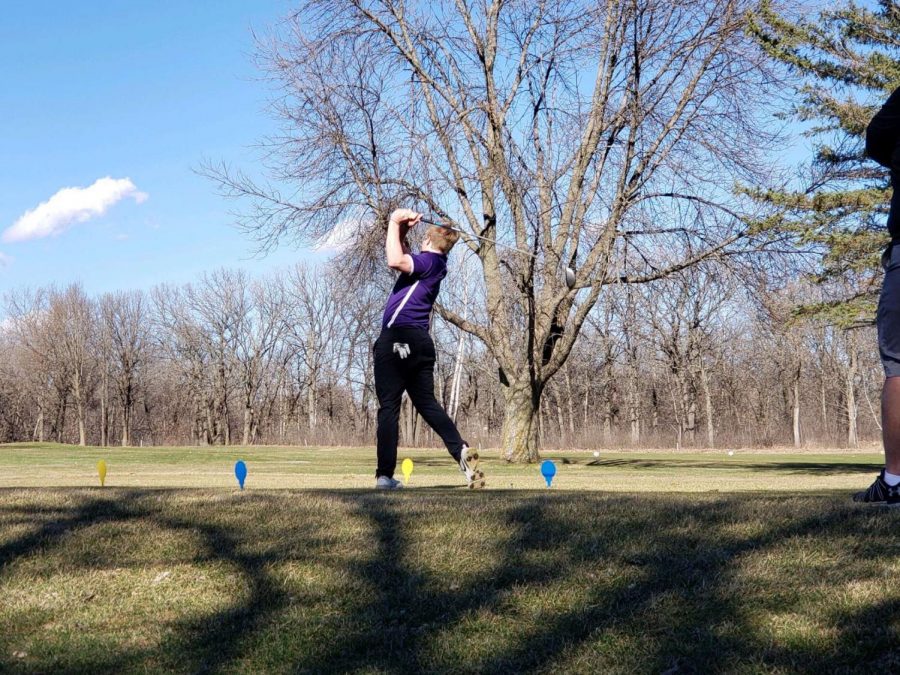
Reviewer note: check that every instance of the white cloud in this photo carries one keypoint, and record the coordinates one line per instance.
(341, 237)
(5, 260)
(72, 205)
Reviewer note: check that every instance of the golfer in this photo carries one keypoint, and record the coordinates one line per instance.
(404, 352)
(883, 145)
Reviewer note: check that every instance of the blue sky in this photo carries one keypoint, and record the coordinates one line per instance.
(136, 90)
(129, 89)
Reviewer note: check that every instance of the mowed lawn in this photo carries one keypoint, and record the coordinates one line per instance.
(602, 573)
(53, 465)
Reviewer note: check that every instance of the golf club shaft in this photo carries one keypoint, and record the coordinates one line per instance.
(488, 239)
(569, 274)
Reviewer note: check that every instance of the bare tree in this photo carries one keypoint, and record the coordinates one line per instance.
(58, 327)
(126, 329)
(682, 313)
(216, 307)
(312, 330)
(180, 338)
(562, 127)
(260, 324)
(788, 352)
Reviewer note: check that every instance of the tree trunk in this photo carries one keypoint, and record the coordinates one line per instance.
(456, 379)
(541, 413)
(226, 424)
(795, 405)
(248, 424)
(311, 403)
(127, 415)
(634, 404)
(689, 409)
(82, 432)
(128, 396)
(223, 430)
(408, 417)
(570, 404)
(39, 426)
(79, 410)
(654, 419)
(211, 435)
(104, 410)
(560, 418)
(104, 424)
(852, 432)
(586, 406)
(607, 402)
(520, 424)
(707, 397)
(248, 413)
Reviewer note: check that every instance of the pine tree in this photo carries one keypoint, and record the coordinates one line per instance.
(848, 60)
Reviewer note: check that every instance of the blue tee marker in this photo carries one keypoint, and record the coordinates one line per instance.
(548, 470)
(240, 471)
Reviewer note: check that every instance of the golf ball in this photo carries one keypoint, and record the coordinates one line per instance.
(596, 454)
(730, 453)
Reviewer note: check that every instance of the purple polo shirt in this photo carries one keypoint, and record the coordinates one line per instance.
(414, 293)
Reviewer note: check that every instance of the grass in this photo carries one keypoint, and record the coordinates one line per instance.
(43, 465)
(212, 579)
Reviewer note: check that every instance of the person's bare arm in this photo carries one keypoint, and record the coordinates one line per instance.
(398, 257)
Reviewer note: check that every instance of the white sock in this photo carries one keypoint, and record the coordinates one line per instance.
(891, 479)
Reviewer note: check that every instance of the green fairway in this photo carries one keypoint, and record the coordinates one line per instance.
(50, 465)
(630, 563)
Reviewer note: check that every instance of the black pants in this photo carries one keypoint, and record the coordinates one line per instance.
(404, 361)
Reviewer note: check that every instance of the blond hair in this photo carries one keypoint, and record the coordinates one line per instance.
(442, 238)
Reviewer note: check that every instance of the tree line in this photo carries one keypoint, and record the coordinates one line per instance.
(704, 358)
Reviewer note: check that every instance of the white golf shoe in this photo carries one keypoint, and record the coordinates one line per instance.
(385, 483)
(468, 464)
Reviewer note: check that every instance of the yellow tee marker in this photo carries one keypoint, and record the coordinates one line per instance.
(101, 469)
(406, 468)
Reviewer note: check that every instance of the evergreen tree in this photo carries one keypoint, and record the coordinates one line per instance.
(848, 59)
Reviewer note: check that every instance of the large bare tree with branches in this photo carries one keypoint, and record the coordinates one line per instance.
(605, 136)
(124, 326)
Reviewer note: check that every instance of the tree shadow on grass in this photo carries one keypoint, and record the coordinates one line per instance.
(812, 468)
(64, 520)
(211, 642)
(408, 609)
(112, 508)
(655, 579)
(673, 611)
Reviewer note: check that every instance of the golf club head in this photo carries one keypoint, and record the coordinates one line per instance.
(570, 277)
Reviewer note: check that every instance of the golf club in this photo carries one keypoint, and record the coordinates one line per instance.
(569, 273)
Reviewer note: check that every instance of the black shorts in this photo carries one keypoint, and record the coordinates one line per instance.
(888, 318)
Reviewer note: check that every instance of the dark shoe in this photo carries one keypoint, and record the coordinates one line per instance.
(879, 492)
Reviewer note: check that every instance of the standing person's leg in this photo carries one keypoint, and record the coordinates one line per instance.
(889, 334)
(886, 487)
(889, 346)
(420, 387)
(890, 424)
(389, 387)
